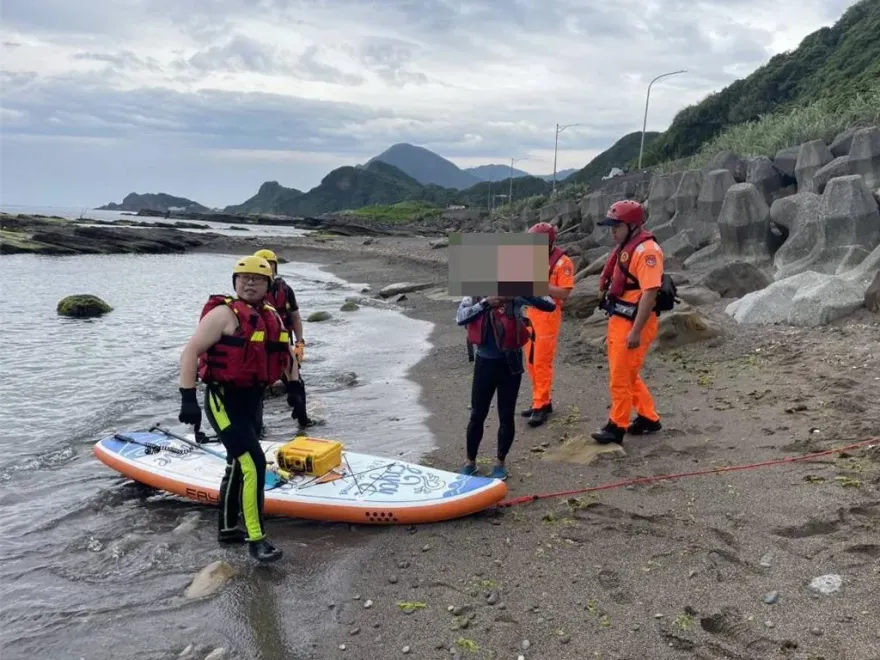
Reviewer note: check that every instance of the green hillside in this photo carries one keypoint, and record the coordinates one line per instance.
(269, 198)
(617, 155)
(831, 65)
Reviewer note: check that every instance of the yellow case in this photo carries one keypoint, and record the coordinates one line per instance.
(310, 455)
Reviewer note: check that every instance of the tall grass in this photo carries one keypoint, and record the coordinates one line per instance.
(821, 120)
(402, 212)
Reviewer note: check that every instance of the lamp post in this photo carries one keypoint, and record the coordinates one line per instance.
(559, 130)
(510, 192)
(647, 99)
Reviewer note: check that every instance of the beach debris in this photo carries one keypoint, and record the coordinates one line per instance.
(826, 584)
(209, 580)
(771, 598)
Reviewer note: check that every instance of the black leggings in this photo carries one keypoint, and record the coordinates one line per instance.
(235, 414)
(491, 376)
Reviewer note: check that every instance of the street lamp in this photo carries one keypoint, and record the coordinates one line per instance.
(510, 193)
(559, 130)
(647, 98)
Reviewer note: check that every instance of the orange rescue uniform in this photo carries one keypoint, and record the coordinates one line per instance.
(546, 326)
(628, 390)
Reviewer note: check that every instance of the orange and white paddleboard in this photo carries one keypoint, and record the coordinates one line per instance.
(362, 489)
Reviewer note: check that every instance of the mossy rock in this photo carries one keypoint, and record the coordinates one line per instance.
(314, 317)
(82, 306)
(349, 307)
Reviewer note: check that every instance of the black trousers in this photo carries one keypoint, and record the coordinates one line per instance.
(491, 376)
(235, 415)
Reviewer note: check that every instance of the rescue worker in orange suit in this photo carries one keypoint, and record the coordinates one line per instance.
(628, 286)
(283, 299)
(239, 348)
(546, 326)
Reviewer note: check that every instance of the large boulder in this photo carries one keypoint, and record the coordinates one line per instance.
(812, 157)
(684, 326)
(82, 306)
(806, 299)
(765, 176)
(743, 226)
(734, 279)
(584, 298)
(864, 155)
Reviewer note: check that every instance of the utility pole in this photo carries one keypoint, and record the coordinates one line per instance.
(559, 130)
(510, 192)
(648, 98)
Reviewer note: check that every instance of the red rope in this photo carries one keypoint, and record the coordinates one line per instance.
(680, 475)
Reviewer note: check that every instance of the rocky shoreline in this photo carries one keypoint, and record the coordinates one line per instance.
(24, 234)
(700, 567)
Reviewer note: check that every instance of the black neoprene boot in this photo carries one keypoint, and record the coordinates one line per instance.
(296, 399)
(264, 551)
(643, 426)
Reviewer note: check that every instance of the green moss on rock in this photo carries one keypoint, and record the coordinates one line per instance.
(318, 316)
(82, 306)
(349, 306)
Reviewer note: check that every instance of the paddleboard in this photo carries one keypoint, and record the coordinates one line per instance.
(362, 489)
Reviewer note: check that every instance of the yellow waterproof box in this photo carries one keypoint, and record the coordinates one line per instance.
(309, 455)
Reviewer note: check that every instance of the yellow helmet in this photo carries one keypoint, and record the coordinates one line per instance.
(268, 255)
(253, 265)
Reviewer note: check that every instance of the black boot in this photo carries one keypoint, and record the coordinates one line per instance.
(643, 426)
(528, 412)
(296, 399)
(264, 551)
(608, 434)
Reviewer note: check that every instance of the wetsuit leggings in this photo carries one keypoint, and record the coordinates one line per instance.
(234, 413)
(491, 376)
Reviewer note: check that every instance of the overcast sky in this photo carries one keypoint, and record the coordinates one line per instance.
(207, 99)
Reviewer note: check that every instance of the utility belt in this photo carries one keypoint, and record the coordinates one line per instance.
(615, 307)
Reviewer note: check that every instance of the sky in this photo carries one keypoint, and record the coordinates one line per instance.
(208, 99)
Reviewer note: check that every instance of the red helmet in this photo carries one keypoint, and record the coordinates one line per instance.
(544, 228)
(627, 211)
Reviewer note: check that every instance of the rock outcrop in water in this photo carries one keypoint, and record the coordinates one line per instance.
(82, 306)
(795, 236)
(59, 236)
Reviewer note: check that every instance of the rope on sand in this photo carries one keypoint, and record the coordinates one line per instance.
(669, 477)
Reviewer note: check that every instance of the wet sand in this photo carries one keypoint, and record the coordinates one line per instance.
(709, 567)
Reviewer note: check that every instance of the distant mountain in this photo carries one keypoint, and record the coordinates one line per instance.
(494, 172)
(502, 173)
(269, 198)
(617, 155)
(160, 202)
(426, 167)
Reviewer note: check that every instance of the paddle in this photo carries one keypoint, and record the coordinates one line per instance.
(274, 475)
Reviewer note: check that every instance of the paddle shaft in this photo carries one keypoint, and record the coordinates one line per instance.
(282, 474)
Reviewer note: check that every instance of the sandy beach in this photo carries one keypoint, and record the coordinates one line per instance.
(729, 565)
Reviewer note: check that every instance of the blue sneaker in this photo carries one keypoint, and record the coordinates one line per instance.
(498, 472)
(468, 469)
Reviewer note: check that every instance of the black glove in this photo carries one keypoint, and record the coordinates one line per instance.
(190, 413)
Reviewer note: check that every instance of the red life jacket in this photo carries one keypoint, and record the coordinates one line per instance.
(555, 255)
(511, 331)
(256, 355)
(615, 279)
(277, 297)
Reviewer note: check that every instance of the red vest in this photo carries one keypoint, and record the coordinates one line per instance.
(555, 255)
(256, 355)
(614, 279)
(277, 297)
(511, 332)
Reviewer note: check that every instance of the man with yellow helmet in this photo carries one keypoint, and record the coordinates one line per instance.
(282, 297)
(239, 348)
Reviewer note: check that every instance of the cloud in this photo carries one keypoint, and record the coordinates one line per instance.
(285, 83)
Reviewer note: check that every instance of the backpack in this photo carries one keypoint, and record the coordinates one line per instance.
(667, 295)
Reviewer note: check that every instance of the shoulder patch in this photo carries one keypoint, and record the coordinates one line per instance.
(651, 260)
(624, 257)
